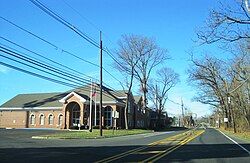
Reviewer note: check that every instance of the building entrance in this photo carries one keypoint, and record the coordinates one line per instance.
(73, 115)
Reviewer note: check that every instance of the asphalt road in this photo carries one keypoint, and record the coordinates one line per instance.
(18, 146)
(210, 146)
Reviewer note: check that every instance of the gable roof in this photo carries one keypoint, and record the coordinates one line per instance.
(137, 98)
(64, 99)
(35, 100)
(108, 95)
(48, 100)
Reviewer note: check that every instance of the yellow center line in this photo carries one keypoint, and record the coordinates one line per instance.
(124, 154)
(166, 152)
(163, 152)
(149, 152)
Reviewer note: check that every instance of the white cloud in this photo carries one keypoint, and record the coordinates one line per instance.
(3, 69)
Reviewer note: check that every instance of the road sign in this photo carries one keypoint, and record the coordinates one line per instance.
(115, 114)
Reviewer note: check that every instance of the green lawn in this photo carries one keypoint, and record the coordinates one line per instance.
(241, 135)
(95, 134)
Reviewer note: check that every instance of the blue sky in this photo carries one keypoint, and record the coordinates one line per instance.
(172, 23)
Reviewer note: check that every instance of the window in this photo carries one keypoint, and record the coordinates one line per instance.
(108, 116)
(42, 119)
(76, 116)
(139, 108)
(32, 119)
(129, 107)
(51, 119)
(60, 118)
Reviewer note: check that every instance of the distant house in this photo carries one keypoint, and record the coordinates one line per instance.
(163, 120)
(70, 109)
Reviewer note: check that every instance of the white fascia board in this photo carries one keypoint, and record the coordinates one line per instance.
(122, 98)
(63, 100)
(31, 108)
(110, 102)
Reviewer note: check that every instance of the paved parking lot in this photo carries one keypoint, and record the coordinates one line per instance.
(18, 146)
(22, 138)
(25, 133)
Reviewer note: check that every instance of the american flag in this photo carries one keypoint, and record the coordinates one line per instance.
(93, 94)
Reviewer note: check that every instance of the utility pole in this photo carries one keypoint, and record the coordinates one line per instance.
(95, 103)
(156, 96)
(232, 111)
(182, 106)
(90, 107)
(156, 107)
(100, 119)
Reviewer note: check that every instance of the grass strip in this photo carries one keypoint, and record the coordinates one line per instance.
(95, 134)
(242, 135)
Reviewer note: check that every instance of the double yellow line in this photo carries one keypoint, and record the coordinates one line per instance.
(183, 138)
(172, 148)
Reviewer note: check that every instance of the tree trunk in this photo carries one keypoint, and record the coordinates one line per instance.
(126, 113)
(128, 100)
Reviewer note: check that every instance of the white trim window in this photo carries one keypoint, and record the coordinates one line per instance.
(42, 118)
(60, 119)
(51, 119)
(76, 115)
(108, 116)
(32, 119)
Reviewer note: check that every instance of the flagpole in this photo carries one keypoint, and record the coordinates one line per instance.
(90, 108)
(95, 104)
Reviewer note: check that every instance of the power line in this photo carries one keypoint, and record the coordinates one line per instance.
(48, 42)
(75, 29)
(106, 50)
(28, 32)
(38, 75)
(52, 60)
(44, 40)
(46, 64)
(45, 58)
(84, 18)
(37, 64)
(176, 103)
(51, 79)
(108, 93)
(64, 22)
(112, 56)
(71, 79)
(57, 63)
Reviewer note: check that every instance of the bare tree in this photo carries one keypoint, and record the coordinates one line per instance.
(151, 55)
(164, 80)
(240, 88)
(224, 85)
(137, 56)
(229, 23)
(127, 59)
(210, 76)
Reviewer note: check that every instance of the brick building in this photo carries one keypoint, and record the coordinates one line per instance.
(69, 109)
